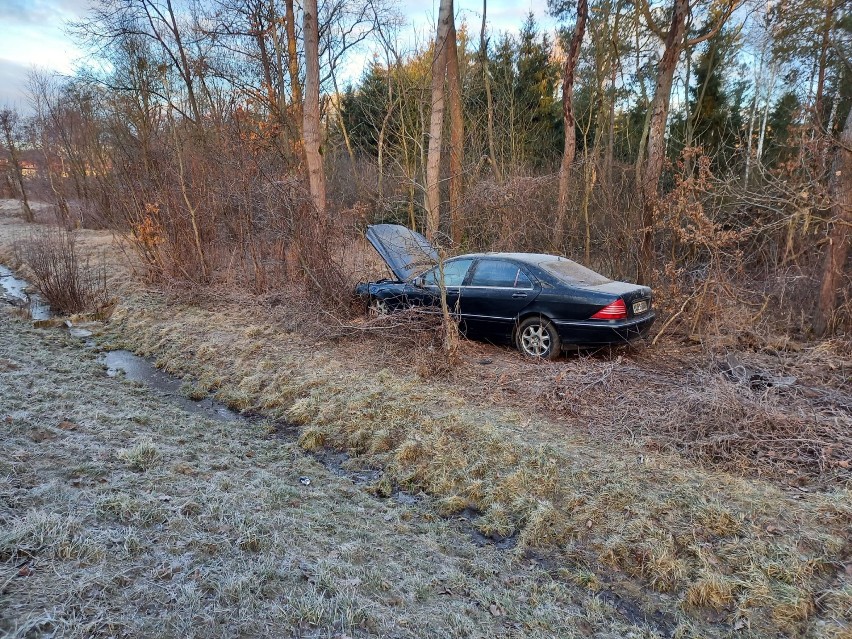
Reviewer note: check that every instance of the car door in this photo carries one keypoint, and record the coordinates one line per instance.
(424, 291)
(494, 295)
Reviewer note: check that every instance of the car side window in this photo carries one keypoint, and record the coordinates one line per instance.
(454, 273)
(499, 273)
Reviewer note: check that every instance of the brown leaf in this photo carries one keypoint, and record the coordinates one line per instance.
(496, 610)
(25, 571)
(185, 469)
(40, 435)
(774, 530)
(66, 425)
(843, 463)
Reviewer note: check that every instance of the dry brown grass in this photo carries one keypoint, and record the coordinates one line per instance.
(609, 494)
(144, 521)
(621, 508)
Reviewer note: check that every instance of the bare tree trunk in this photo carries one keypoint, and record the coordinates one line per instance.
(456, 135)
(839, 238)
(835, 103)
(293, 60)
(610, 135)
(823, 57)
(55, 186)
(675, 40)
(646, 125)
(614, 68)
(258, 31)
(339, 111)
(7, 123)
(185, 69)
(751, 117)
(570, 146)
(762, 135)
(486, 75)
(311, 112)
(279, 57)
(653, 168)
(380, 145)
(436, 122)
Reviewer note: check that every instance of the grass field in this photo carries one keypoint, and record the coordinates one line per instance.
(619, 519)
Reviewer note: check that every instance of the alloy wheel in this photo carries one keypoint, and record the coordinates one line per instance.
(535, 340)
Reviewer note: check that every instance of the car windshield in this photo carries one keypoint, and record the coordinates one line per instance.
(574, 273)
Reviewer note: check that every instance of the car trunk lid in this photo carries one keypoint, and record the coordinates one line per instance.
(630, 293)
(406, 252)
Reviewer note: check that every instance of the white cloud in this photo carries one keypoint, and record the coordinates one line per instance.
(13, 79)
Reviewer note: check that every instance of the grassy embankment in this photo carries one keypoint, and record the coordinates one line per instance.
(716, 553)
(123, 516)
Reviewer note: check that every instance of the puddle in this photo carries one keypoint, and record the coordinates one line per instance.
(334, 462)
(14, 290)
(468, 518)
(140, 369)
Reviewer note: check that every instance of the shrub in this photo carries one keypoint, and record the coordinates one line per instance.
(68, 286)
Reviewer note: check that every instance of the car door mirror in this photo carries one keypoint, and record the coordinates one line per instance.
(420, 282)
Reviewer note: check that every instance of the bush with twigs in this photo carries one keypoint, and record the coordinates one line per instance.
(68, 284)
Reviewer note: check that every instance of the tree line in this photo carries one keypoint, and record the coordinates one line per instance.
(692, 145)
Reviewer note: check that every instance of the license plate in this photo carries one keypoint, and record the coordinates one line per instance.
(640, 307)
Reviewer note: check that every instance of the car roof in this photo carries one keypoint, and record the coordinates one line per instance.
(527, 258)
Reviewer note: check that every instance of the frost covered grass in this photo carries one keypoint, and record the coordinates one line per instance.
(610, 531)
(121, 515)
(710, 549)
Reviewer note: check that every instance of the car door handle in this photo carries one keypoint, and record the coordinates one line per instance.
(517, 295)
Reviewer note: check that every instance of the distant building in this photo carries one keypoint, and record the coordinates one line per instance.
(29, 169)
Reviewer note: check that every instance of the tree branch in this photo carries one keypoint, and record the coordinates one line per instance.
(732, 4)
(649, 19)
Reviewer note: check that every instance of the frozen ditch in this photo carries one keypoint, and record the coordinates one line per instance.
(13, 290)
(123, 363)
(139, 369)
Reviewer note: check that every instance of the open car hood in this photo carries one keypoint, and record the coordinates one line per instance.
(406, 252)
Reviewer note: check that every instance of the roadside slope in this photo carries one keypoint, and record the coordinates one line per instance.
(121, 515)
(708, 553)
(720, 547)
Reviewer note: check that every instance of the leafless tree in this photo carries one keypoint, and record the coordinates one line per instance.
(674, 40)
(436, 121)
(838, 244)
(8, 123)
(456, 135)
(570, 122)
(311, 120)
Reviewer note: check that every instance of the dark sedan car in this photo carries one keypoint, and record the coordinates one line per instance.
(542, 303)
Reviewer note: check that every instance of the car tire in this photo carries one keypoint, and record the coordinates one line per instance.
(378, 307)
(536, 337)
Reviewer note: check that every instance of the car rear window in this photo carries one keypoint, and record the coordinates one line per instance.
(499, 273)
(573, 272)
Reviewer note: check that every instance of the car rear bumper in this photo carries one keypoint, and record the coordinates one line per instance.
(599, 333)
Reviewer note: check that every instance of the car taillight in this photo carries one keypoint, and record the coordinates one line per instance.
(616, 310)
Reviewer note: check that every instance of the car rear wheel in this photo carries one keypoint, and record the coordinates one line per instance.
(537, 337)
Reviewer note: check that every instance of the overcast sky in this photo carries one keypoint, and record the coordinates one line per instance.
(32, 33)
